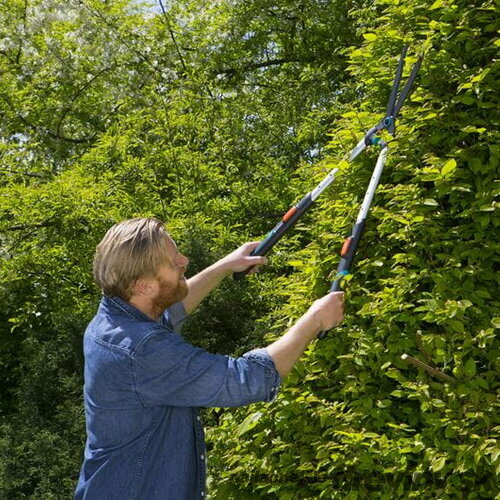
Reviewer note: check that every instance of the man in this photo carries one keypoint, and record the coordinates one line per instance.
(144, 382)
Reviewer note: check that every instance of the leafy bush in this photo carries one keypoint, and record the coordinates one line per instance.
(354, 420)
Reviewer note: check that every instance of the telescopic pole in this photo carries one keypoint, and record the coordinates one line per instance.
(351, 243)
(288, 220)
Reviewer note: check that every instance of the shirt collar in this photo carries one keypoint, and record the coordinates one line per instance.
(117, 303)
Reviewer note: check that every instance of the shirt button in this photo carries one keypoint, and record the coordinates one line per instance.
(202, 493)
(202, 457)
(198, 418)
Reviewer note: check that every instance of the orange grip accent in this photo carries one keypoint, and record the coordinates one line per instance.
(289, 214)
(345, 246)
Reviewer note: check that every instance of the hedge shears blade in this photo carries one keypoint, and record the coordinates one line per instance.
(393, 107)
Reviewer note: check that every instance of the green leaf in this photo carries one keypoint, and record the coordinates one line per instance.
(436, 5)
(457, 325)
(438, 463)
(397, 393)
(342, 165)
(449, 167)
(467, 99)
(430, 202)
(249, 423)
(470, 368)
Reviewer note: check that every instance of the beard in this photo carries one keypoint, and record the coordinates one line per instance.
(170, 293)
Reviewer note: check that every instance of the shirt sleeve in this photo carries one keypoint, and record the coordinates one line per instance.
(169, 371)
(175, 316)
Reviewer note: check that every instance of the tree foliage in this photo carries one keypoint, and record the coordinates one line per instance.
(216, 117)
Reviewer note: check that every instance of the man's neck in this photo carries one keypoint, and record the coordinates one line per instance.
(144, 305)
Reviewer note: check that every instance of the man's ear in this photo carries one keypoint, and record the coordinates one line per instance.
(143, 286)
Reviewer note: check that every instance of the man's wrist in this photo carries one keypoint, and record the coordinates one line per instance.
(221, 269)
(310, 324)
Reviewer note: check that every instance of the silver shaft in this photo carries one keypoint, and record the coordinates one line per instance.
(360, 146)
(377, 172)
(324, 184)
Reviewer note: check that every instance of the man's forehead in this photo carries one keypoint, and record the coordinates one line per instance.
(170, 244)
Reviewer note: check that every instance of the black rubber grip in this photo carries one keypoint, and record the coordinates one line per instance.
(278, 231)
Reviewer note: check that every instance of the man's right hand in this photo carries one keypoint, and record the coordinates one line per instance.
(327, 311)
(323, 315)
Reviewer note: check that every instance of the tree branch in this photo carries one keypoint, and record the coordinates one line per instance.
(20, 48)
(171, 32)
(21, 172)
(421, 348)
(271, 62)
(116, 32)
(43, 130)
(79, 93)
(23, 227)
(433, 371)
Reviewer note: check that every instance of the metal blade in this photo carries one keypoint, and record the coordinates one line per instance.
(397, 81)
(407, 87)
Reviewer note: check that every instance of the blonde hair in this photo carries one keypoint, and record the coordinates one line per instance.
(130, 250)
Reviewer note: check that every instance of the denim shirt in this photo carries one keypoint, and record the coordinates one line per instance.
(143, 386)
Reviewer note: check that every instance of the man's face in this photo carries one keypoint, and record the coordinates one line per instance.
(171, 285)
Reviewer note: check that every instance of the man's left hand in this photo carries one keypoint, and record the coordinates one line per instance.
(240, 259)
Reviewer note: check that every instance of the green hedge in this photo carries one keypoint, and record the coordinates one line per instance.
(354, 420)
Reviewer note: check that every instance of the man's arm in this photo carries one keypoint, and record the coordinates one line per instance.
(324, 314)
(204, 282)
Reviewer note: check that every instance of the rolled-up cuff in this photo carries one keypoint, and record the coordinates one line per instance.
(273, 379)
(176, 315)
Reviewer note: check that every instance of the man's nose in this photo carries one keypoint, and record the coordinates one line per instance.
(183, 260)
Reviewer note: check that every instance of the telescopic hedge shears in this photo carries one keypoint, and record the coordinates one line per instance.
(388, 123)
(351, 243)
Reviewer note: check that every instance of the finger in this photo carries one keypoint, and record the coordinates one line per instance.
(257, 261)
(334, 298)
(246, 249)
(338, 297)
(254, 270)
(251, 245)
